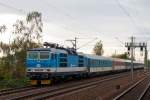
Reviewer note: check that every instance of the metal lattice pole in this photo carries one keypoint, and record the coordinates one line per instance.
(132, 44)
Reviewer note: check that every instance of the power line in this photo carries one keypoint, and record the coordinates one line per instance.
(59, 10)
(116, 38)
(69, 15)
(131, 18)
(23, 12)
(123, 9)
(119, 40)
(63, 12)
(127, 14)
(14, 8)
(87, 43)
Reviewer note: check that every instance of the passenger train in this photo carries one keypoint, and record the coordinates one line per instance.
(45, 65)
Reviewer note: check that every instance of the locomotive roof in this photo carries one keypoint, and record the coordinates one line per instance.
(40, 49)
(54, 50)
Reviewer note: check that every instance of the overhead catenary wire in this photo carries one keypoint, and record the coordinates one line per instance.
(12, 7)
(87, 43)
(59, 10)
(130, 17)
(62, 11)
(127, 14)
(21, 11)
(71, 17)
(119, 41)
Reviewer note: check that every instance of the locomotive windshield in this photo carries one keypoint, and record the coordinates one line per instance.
(32, 55)
(44, 55)
(38, 55)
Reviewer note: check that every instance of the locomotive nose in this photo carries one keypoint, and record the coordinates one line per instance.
(38, 65)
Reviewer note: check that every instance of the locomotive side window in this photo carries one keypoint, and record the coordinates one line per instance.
(81, 61)
(63, 60)
(53, 56)
(32, 55)
(44, 55)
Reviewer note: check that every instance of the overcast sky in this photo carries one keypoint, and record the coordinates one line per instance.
(112, 21)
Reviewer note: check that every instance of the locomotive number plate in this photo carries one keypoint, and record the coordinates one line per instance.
(38, 70)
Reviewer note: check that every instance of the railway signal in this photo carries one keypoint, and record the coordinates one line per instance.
(131, 46)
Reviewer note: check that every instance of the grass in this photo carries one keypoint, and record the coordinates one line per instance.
(13, 83)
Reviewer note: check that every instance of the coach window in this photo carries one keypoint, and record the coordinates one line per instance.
(44, 55)
(89, 63)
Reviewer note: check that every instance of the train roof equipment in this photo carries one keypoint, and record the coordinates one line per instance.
(56, 48)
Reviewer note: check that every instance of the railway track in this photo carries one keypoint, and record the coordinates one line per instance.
(68, 90)
(146, 94)
(64, 90)
(15, 90)
(138, 91)
(50, 92)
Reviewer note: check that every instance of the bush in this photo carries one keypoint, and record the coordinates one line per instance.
(13, 83)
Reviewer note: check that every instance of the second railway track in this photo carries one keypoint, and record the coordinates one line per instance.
(146, 94)
(137, 91)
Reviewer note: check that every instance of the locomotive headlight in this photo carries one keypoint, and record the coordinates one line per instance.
(29, 70)
(48, 70)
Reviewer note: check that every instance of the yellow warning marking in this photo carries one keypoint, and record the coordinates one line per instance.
(33, 82)
(45, 81)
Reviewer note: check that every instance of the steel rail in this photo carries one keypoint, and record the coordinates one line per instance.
(15, 90)
(26, 93)
(144, 92)
(66, 89)
(130, 88)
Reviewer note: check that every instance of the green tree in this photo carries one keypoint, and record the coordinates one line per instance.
(2, 28)
(121, 56)
(98, 48)
(27, 34)
(148, 63)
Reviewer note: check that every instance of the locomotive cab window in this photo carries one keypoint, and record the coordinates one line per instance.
(53, 55)
(32, 55)
(44, 55)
